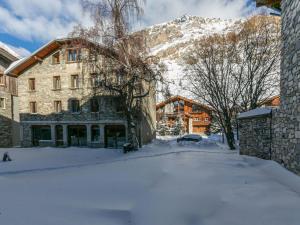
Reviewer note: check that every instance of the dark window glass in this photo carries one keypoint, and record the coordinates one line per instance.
(94, 105)
(31, 83)
(75, 106)
(95, 133)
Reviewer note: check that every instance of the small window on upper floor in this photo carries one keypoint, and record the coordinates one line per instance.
(75, 106)
(33, 107)
(2, 79)
(197, 119)
(94, 105)
(2, 103)
(95, 80)
(57, 106)
(56, 83)
(73, 55)
(75, 81)
(56, 58)
(206, 119)
(31, 84)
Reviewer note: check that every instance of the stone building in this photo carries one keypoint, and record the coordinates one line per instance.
(58, 106)
(285, 121)
(286, 141)
(8, 100)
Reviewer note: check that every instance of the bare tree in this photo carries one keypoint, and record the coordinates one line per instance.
(214, 75)
(260, 60)
(117, 58)
(235, 72)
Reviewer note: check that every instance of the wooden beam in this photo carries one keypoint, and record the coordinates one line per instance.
(38, 58)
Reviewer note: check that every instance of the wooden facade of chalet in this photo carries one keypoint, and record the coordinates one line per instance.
(269, 3)
(271, 102)
(196, 116)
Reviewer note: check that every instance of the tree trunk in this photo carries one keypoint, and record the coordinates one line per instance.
(229, 135)
(131, 129)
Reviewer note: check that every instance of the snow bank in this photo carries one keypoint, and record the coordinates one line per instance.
(163, 184)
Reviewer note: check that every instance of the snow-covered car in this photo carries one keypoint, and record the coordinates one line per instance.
(190, 137)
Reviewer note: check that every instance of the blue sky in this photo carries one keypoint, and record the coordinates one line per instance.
(28, 24)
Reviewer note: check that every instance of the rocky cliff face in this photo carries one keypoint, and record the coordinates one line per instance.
(172, 40)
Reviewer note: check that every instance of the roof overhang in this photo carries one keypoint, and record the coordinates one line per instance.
(7, 55)
(18, 67)
(178, 97)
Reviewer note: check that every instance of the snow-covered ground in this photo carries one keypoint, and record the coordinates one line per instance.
(163, 184)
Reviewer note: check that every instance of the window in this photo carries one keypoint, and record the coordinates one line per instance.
(56, 58)
(2, 103)
(56, 83)
(57, 106)
(196, 108)
(2, 79)
(33, 108)
(95, 133)
(75, 106)
(197, 119)
(31, 83)
(74, 55)
(94, 105)
(74, 81)
(95, 80)
(206, 119)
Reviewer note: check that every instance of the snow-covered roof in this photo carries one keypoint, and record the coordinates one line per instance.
(255, 113)
(9, 50)
(14, 64)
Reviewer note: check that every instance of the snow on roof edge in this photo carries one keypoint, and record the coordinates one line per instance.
(6, 48)
(255, 113)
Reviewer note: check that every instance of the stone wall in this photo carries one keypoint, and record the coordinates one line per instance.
(256, 136)
(286, 142)
(6, 121)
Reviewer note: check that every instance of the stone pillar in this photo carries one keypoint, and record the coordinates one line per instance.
(53, 138)
(89, 134)
(102, 135)
(65, 135)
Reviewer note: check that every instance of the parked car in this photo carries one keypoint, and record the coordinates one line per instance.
(190, 137)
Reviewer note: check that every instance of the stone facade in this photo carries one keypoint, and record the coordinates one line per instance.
(83, 122)
(256, 136)
(6, 119)
(8, 133)
(286, 142)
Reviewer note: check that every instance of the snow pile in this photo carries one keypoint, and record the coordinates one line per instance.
(162, 184)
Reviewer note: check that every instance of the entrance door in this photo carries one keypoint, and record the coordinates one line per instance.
(77, 135)
(40, 133)
(115, 136)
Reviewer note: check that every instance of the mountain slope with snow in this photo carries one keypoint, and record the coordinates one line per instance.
(171, 41)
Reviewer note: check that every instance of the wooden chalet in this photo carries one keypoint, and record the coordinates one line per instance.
(197, 117)
(276, 4)
(271, 102)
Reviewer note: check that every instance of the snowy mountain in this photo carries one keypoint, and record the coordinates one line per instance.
(172, 40)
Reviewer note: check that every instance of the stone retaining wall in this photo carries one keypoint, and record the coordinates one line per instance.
(256, 136)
